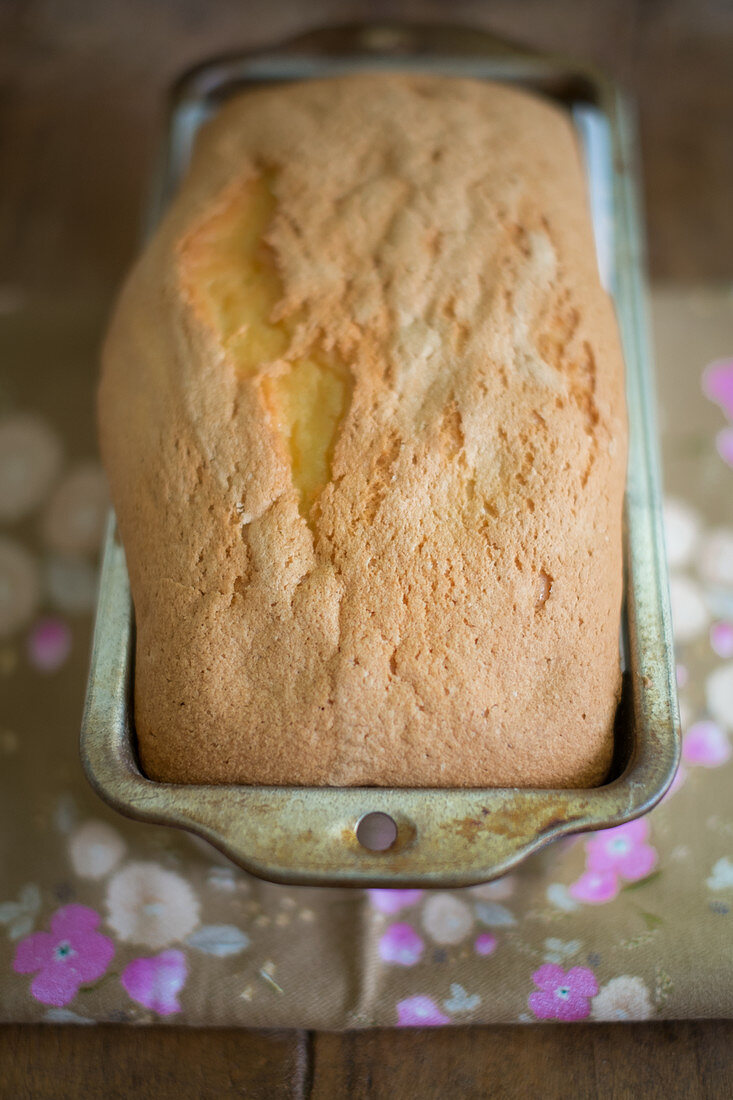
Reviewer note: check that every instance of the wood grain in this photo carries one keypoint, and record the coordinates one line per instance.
(468, 1063)
(82, 86)
(661, 1061)
(683, 80)
(115, 1063)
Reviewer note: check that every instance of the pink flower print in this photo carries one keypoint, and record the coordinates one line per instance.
(623, 850)
(155, 982)
(595, 887)
(717, 384)
(707, 744)
(401, 944)
(721, 639)
(420, 1011)
(484, 944)
(562, 995)
(391, 901)
(49, 644)
(724, 445)
(70, 955)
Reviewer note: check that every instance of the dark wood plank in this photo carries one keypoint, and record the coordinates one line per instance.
(650, 1060)
(656, 1061)
(714, 1043)
(116, 1063)
(470, 1063)
(683, 80)
(81, 90)
(659, 1061)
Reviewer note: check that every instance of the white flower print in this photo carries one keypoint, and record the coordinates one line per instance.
(719, 695)
(689, 610)
(681, 530)
(446, 918)
(74, 519)
(20, 587)
(623, 998)
(30, 454)
(716, 557)
(151, 906)
(94, 849)
(721, 877)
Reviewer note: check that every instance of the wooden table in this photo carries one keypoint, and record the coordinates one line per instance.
(689, 1061)
(81, 87)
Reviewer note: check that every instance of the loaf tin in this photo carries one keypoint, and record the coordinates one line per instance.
(423, 837)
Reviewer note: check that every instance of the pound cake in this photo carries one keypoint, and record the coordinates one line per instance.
(362, 414)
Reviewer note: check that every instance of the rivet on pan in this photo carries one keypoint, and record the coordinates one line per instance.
(376, 831)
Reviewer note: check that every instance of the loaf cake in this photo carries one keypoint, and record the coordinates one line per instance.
(362, 414)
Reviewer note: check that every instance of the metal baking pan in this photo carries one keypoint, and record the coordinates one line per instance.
(396, 837)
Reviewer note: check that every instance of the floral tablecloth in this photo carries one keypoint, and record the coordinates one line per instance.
(102, 919)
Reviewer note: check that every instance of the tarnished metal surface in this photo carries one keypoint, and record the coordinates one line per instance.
(444, 837)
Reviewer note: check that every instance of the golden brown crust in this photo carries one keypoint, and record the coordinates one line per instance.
(449, 616)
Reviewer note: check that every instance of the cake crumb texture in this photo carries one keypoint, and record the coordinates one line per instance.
(362, 414)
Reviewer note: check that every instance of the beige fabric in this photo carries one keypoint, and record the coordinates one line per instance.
(144, 925)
